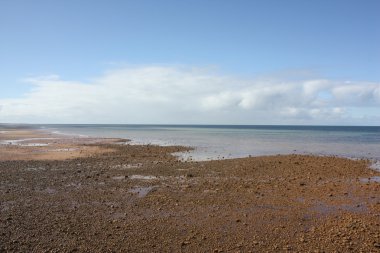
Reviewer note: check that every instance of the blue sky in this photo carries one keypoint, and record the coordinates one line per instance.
(291, 42)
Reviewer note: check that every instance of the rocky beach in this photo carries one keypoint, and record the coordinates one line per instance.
(70, 194)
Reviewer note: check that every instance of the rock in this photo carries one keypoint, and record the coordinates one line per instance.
(185, 243)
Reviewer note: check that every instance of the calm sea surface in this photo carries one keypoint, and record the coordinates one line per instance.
(216, 142)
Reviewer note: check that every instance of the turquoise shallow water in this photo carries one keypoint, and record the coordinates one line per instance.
(217, 142)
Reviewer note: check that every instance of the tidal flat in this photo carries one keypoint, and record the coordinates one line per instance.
(70, 194)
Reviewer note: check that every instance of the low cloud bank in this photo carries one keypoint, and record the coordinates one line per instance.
(165, 95)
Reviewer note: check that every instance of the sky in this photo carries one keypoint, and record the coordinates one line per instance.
(190, 62)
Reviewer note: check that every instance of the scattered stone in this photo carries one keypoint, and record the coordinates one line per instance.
(149, 213)
(184, 243)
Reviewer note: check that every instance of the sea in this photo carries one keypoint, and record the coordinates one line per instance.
(211, 142)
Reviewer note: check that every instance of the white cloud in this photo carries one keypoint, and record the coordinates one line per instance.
(157, 94)
(362, 94)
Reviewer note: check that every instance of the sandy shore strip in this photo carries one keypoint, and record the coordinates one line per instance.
(95, 195)
(30, 144)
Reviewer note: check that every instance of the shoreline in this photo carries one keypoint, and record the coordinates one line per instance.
(186, 155)
(347, 142)
(103, 196)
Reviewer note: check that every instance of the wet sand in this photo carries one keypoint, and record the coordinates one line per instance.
(96, 195)
(24, 144)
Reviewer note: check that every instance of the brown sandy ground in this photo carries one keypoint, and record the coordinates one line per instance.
(142, 199)
(26, 144)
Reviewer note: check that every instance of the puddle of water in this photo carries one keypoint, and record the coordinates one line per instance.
(34, 144)
(50, 190)
(141, 191)
(370, 179)
(63, 149)
(375, 166)
(17, 143)
(324, 209)
(119, 177)
(128, 166)
(300, 200)
(20, 142)
(143, 177)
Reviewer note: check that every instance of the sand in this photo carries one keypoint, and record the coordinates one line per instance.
(16, 144)
(108, 197)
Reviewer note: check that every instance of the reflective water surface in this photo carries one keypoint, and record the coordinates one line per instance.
(218, 142)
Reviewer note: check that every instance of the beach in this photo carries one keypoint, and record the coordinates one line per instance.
(85, 194)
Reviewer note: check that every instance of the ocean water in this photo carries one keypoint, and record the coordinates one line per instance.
(223, 142)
